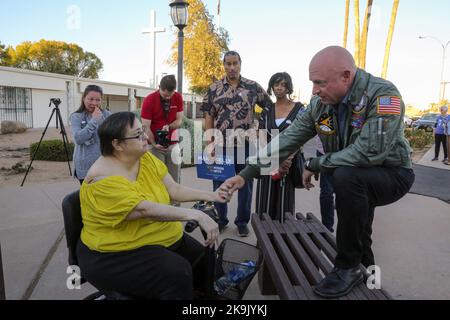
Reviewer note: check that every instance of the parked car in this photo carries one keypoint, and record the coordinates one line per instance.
(408, 121)
(427, 122)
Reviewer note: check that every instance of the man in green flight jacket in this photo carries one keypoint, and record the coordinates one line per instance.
(359, 119)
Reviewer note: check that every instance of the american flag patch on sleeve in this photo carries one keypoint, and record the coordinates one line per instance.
(389, 105)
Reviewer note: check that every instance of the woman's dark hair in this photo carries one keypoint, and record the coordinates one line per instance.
(279, 77)
(88, 89)
(114, 127)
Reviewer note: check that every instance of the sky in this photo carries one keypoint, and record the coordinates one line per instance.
(273, 36)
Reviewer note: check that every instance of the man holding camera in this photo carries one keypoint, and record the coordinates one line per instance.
(162, 115)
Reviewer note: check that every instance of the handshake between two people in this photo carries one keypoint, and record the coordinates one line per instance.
(227, 189)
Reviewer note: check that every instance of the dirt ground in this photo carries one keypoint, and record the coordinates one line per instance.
(15, 149)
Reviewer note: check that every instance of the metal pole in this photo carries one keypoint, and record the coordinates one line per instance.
(180, 60)
(442, 91)
(444, 48)
(2, 279)
(444, 84)
(442, 73)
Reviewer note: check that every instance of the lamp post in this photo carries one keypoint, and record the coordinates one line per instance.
(444, 48)
(444, 84)
(179, 14)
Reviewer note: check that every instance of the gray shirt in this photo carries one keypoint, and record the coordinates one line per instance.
(87, 142)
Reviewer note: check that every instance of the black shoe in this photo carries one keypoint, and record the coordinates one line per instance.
(434, 159)
(222, 227)
(339, 282)
(243, 231)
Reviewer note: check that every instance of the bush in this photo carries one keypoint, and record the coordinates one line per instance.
(52, 150)
(419, 139)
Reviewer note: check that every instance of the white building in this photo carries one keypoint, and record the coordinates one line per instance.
(25, 96)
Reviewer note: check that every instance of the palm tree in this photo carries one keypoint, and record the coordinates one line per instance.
(347, 12)
(365, 32)
(389, 39)
(357, 32)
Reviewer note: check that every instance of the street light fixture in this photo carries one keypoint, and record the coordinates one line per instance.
(179, 14)
(444, 48)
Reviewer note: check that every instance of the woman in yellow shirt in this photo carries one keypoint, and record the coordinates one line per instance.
(132, 240)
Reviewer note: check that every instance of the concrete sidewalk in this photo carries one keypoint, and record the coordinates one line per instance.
(411, 242)
(426, 161)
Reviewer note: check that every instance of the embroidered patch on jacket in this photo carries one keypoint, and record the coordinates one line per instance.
(325, 125)
(358, 121)
(389, 106)
(359, 108)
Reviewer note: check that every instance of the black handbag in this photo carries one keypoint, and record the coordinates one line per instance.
(296, 170)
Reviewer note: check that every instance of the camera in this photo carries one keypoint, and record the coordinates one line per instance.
(55, 101)
(162, 138)
(207, 208)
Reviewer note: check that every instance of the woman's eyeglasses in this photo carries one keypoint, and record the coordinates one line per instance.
(141, 136)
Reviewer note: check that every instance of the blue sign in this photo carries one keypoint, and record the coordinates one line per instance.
(221, 170)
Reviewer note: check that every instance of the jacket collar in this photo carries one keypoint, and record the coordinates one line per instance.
(359, 87)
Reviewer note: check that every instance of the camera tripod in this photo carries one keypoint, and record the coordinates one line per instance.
(56, 110)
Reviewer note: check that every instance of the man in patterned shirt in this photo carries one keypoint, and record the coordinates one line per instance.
(228, 106)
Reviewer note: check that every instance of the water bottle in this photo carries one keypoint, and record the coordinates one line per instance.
(235, 276)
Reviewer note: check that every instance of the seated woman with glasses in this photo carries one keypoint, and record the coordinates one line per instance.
(132, 240)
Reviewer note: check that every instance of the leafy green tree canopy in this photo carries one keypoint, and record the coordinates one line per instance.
(54, 57)
(204, 46)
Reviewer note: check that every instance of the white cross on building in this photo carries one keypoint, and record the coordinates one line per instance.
(153, 31)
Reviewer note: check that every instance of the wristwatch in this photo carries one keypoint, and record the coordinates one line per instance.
(308, 165)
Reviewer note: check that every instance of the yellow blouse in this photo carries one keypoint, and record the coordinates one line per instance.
(106, 204)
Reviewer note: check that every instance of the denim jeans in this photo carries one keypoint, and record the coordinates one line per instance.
(244, 194)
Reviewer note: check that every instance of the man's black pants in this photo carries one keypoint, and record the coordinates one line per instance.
(438, 140)
(358, 191)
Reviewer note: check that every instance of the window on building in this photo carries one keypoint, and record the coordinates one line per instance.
(15, 99)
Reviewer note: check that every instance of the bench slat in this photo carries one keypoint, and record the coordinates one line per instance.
(370, 294)
(280, 278)
(302, 256)
(296, 251)
(289, 261)
(310, 246)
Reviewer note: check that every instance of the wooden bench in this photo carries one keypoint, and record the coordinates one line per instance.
(2, 279)
(297, 255)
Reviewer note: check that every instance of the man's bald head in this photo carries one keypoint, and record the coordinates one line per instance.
(334, 58)
(332, 71)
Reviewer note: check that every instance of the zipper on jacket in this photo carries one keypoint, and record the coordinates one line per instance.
(380, 134)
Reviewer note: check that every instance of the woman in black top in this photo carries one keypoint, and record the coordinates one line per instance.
(280, 116)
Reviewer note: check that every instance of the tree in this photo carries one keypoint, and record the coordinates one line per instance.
(365, 33)
(55, 57)
(203, 48)
(436, 107)
(357, 32)
(389, 39)
(3, 54)
(347, 13)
